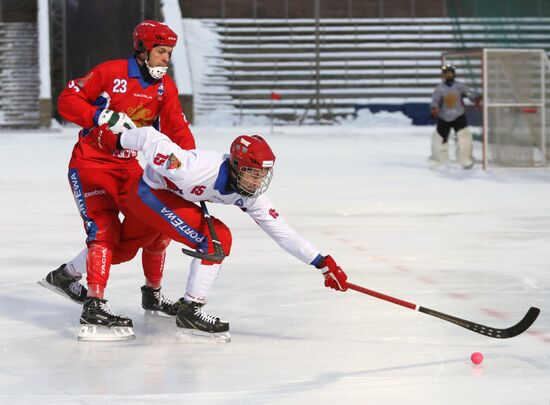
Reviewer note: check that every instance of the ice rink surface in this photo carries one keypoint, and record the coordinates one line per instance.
(473, 244)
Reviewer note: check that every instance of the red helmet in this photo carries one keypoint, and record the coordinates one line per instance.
(251, 161)
(150, 33)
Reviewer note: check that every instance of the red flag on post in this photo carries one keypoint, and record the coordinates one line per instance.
(276, 96)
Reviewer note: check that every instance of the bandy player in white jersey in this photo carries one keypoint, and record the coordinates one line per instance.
(165, 198)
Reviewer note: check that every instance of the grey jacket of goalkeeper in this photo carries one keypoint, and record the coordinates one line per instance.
(448, 97)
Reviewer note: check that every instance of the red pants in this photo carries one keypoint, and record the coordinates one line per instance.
(176, 218)
(100, 195)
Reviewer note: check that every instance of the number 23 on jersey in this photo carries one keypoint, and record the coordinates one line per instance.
(120, 86)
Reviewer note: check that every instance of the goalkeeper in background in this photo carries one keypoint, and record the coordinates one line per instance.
(448, 108)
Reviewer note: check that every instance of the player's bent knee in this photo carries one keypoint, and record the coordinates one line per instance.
(224, 236)
(158, 246)
(103, 228)
(101, 244)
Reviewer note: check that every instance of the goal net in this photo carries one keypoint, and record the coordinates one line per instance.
(516, 102)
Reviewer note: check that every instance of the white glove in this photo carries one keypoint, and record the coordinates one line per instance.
(118, 122)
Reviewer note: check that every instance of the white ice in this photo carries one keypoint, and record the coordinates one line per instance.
(474, 244)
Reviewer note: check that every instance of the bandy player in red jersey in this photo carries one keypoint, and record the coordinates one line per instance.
(123, 94)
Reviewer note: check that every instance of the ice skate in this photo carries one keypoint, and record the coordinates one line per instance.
(66, 286)
(100, 324)
(156, 304)
(197, 324)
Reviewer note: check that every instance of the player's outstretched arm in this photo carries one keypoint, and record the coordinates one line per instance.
(334, 275)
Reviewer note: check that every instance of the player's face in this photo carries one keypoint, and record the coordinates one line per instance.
(160, 56)
(252, 180)
(449, 75)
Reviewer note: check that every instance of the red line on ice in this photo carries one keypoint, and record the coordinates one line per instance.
(494, 312)
(458, 296)
(427, 280)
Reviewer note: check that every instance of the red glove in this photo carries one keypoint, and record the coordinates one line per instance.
(334, 275)
(103, 139)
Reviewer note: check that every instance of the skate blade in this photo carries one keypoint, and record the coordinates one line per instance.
(95, 333)
(194, 335)
(56, 290)
(158, 316)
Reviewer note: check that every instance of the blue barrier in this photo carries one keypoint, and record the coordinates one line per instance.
(418, 112)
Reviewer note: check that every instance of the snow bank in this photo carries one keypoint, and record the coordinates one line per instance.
(380, 119)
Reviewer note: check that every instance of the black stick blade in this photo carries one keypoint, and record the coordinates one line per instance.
(510, 332)
(218, 256)
(529, 318)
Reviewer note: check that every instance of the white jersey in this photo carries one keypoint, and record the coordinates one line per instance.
(200, 175)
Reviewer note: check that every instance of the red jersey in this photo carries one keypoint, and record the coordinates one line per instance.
(119, 86)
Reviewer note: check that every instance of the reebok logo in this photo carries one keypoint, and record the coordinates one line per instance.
(94, 192)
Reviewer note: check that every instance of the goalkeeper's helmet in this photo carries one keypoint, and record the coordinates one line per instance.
(251, 160)
(448, 67)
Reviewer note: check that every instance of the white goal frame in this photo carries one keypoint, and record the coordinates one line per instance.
(480, 75)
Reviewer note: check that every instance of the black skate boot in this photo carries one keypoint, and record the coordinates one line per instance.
(64, 285)
(100, 324)
(197, 323)
(155, 303)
